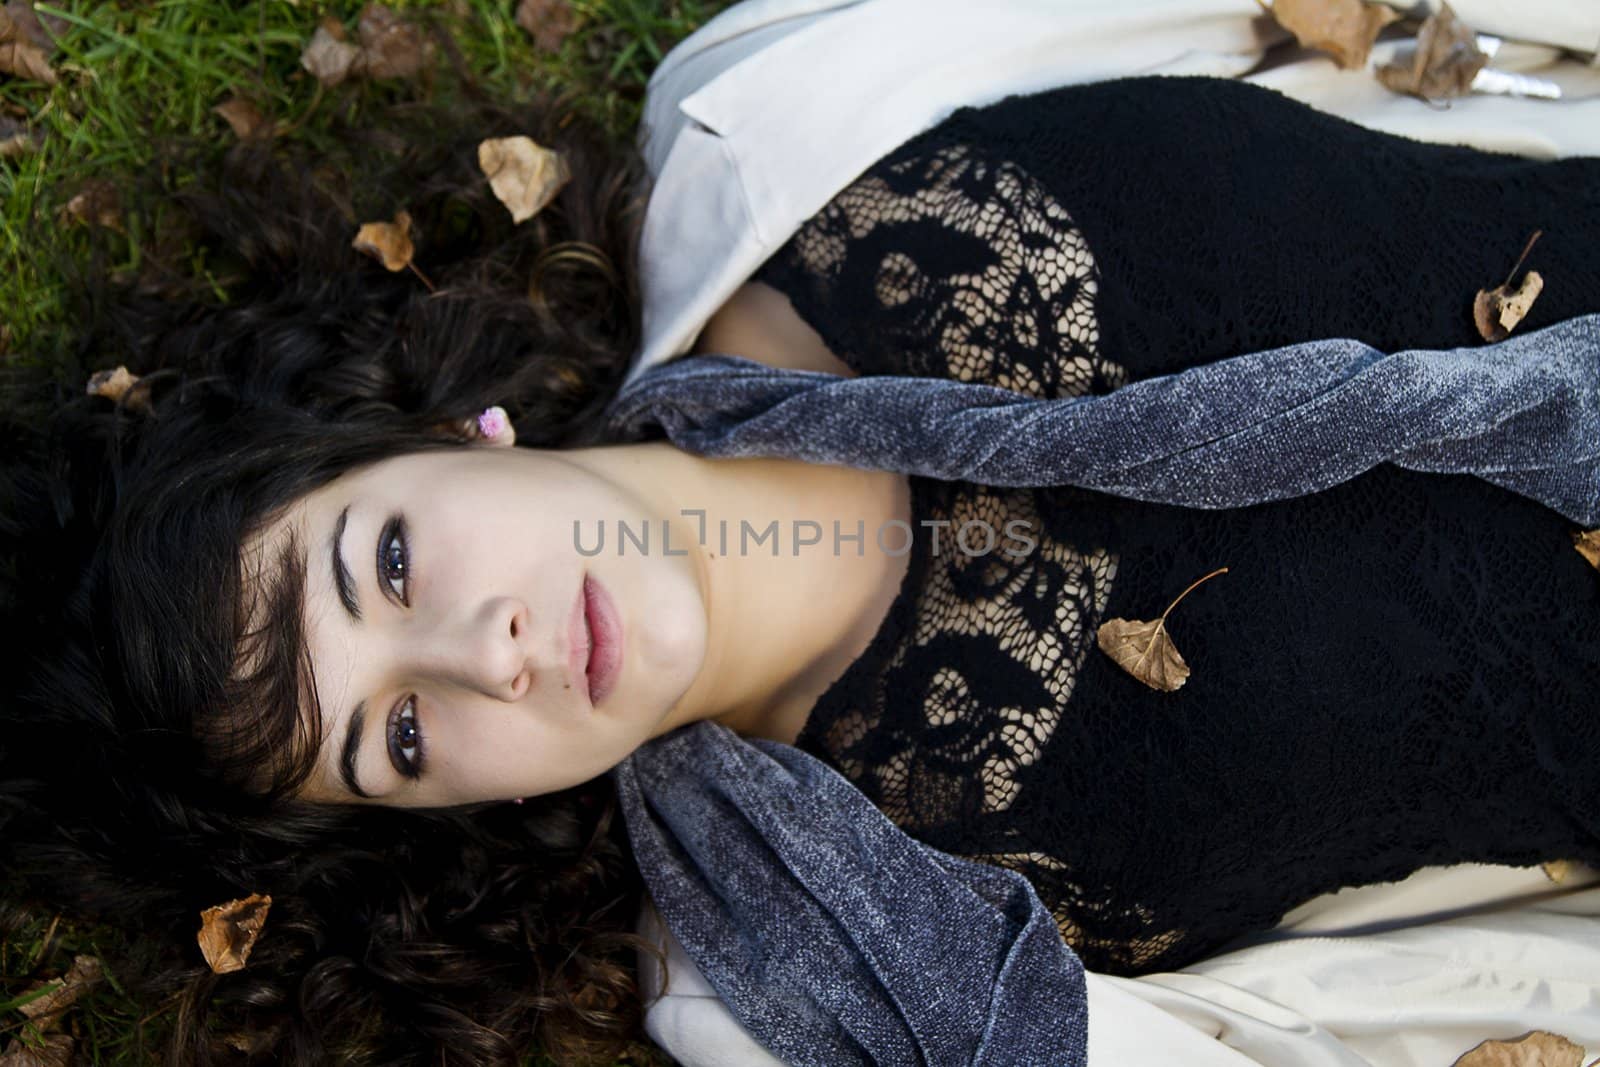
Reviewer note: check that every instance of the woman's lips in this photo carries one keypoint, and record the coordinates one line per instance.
(605, 640)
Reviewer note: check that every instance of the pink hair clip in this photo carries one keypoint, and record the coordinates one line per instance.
(493, 423)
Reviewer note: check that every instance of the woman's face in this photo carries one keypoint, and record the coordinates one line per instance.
(444, 595)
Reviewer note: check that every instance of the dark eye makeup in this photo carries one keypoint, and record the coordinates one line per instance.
(405, 735)
(394, 560)
(404, 732)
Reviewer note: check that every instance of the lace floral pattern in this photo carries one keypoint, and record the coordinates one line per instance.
(1025, 281)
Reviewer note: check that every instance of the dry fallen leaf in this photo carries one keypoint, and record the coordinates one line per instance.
(112, 384)
(1496, 312)
(1587, 542)
(391, 47)
(246, 120)
(1145, 649)
(25, 47)
(97, 203)
(1558, 871)
(16, 139)
(47, 1010)
(1444, 62)
(387, 242)
(549, 21)
(1536, 1049)
(56, 1052)
(228, 931)
(329, 57)
(1345, 29)
(524, 175)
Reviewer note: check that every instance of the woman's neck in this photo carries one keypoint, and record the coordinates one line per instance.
(784, 617)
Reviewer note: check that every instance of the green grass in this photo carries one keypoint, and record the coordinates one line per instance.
(138, 77)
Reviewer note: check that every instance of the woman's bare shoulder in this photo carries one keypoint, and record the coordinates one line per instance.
(759, 323)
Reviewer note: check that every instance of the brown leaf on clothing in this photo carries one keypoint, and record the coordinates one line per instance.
(329, 57)
(25, 46)
(1538, 1048)
(80, 977)
(550, 22)
(1587, 542)
(1443, 63)
(97, 203)
(1345, 29)
(1497, 311)
(1145, 649)
(391, 47)
(228, 931)
(524, 175)
(1558, 871)
(245, 119)
(55, 1052)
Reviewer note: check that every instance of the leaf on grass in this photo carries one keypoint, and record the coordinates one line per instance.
(97, 203)
(1145, 649)
(25, 46)
(1539, 1048)
(1497, 311)
(245, 119)
(80, 977)
(387, 242)
(391, 47)
(329, 57)
(1345, 29)
(1587, 542)
(524, 175)
(1443, 63)
(549, 21)
(55, 1052)
(16, 139)
(228, 931)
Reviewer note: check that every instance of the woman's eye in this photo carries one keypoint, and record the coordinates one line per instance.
(405, 739)
(394, 559)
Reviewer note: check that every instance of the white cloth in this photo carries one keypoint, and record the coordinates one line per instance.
(754, 122)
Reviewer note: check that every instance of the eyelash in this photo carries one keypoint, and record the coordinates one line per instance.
(410, 768)
(394, 536)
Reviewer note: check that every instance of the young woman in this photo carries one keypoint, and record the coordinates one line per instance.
(290, 624)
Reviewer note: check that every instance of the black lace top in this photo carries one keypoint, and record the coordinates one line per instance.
(1398, 672)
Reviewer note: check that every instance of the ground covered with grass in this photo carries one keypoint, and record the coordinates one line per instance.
(95, 93)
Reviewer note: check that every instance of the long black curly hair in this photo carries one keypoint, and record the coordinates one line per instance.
(129, 737)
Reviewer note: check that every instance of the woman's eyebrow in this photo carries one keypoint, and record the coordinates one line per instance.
(352, 748)
(343, 579)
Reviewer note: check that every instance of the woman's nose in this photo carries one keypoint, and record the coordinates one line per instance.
(489, 651)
